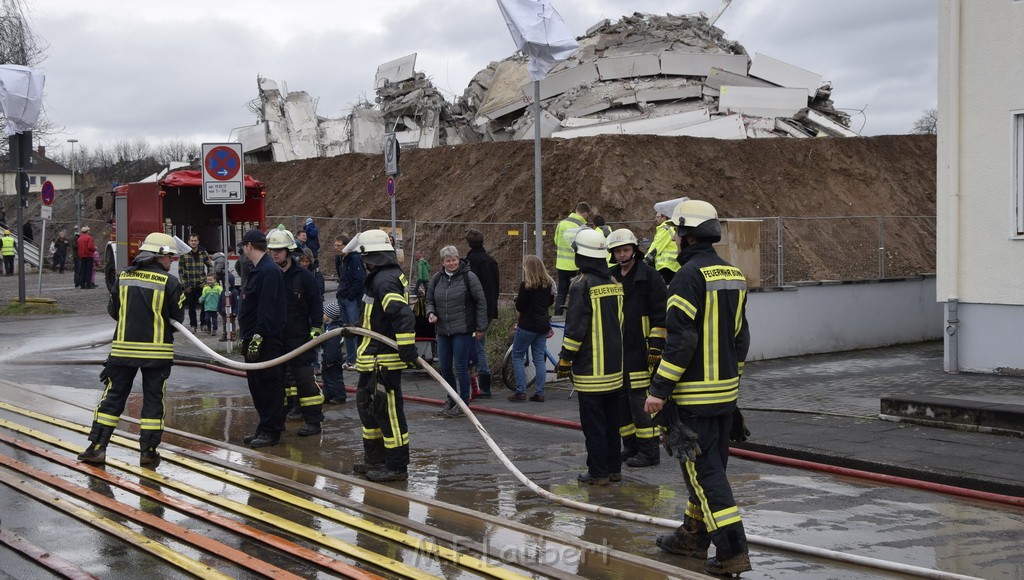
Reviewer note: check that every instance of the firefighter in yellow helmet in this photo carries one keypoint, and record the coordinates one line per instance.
(643, 339)
(592, 354)
(144, 301)
(699, 375)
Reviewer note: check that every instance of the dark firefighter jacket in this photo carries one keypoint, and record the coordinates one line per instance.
(643, 319)
(708, 335)
(386, 311)
(262, 308)
(144, 301)
(593, 331)
(305, 311)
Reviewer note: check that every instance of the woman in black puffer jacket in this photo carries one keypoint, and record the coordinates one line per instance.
(457, 305)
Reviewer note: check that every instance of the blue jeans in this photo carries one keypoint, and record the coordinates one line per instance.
(349, 315)
(536, 342)
(478, 357)
(454, 348)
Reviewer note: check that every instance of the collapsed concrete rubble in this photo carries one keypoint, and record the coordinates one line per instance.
(643, 74)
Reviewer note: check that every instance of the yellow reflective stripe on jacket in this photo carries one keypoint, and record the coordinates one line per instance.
(571, 345)
(391, 297)
(670, 371)
(597, 330)
(404, 338)
(658, 332)
(677, 301)
(639, 380)
(127, 349)
(706, 392)
(597, 383)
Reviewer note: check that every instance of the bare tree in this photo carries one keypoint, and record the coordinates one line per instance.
(927, 124)
(177, 150)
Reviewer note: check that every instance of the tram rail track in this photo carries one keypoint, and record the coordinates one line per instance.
(448, 551)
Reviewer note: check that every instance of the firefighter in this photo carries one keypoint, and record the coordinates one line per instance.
(304, 323)
(564, 260)
(643, 338)
(700, 370)
(262, 314)
(379, 391)
(663, 252)
(592, 354)
(144, 301)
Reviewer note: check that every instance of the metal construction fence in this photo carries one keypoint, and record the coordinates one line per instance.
(791, 248)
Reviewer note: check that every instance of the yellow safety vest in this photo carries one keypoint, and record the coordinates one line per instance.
(665, 248)
(565, 259)
(7, 242)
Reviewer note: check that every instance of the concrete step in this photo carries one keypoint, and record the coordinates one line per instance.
(955, 413)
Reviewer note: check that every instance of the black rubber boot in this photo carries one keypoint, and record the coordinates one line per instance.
(309, 429)
(383, 474)
(485, 385)
(647, 454)
(690, 539)
(99, 438)
(364, 468)
(731, 553)
(149, 440)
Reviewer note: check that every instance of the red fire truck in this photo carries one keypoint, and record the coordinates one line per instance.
(174, 205)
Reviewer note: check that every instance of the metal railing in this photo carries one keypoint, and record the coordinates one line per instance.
(791, 248)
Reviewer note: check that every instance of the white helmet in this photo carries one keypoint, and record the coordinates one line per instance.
(160, 244)
(698, 218)
(665, 207)
(591, 243)
(374, 241)
(621, 237)
(280, 240)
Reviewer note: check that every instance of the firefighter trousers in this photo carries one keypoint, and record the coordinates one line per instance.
(381, 411)
(599, 417)
(266, 386)
(311, 400)
(118, 380)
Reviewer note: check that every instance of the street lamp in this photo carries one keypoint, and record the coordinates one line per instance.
(78, 197)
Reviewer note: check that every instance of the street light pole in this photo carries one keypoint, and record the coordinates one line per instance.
(78, 198)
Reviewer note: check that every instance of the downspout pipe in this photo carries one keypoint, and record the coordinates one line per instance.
(953, 208)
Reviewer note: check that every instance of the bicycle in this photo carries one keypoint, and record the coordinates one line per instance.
(507, 374)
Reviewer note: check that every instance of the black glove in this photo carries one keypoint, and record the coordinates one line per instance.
(252, 352)
(564, 368)
(739, 431)
(680, 441)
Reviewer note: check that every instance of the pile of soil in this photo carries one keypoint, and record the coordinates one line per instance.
(449, 189)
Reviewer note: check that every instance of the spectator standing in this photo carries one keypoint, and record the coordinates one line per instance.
(136, 346)
(386, 311)
(312, 240)
(210, 300)
(643, 339)
(332, 374)
(592, 354)
(86, 251)
(699, 373)
(192, 269)
(457, 306)
(351, 281)
(74, 258)
(486, 269)
(565, 259)
(8, 247)
(262, 313)
(60, 252)
(304, 322)
(422, 272)
(533, 325)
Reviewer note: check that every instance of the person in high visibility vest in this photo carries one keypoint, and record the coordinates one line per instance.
(565, 258)
(8, 246)
(663, 254)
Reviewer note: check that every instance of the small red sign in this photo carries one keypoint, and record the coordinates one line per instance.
(47, 194)
(391, 187)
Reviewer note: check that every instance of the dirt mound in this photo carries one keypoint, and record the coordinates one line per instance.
(855, 182)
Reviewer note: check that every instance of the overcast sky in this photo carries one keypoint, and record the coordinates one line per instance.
(121, 69)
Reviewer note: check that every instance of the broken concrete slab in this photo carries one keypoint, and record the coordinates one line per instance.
(395, 71)
(718, 77)
(548, 125)
(728, 127)
(623, 67)
(505, 95)
(784, 74)
(826, 125)
(649, 95)
(646, 125)
(558, 83)
(700, 65)
(762, 101)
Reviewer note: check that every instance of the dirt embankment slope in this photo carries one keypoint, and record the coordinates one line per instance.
(624, 176)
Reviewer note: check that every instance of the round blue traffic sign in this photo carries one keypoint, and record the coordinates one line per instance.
(47, 193)
(222, 163)
(391, 187)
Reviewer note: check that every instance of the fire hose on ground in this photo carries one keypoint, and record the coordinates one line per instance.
(612, 512)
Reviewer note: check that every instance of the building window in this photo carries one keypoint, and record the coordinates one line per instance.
(42, 179)
(31, 179)
(1018, 172)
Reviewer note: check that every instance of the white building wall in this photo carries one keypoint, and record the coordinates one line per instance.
(979, 259)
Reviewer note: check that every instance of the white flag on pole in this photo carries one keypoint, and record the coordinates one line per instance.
(21, 97)
(539, 32)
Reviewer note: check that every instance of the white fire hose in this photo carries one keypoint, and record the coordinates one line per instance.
(612, 512)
